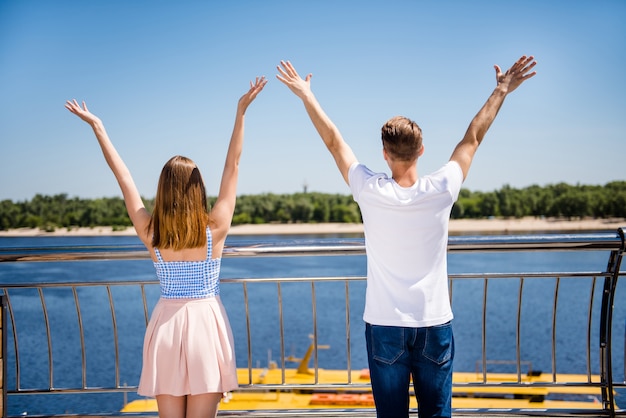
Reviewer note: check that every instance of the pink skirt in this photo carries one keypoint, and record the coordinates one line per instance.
(188, 349)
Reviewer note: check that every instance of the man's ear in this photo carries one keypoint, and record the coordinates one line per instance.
(421, 151)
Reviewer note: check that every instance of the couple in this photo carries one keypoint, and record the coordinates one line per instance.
(188, 359)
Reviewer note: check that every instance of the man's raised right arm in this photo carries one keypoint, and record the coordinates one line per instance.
(340, 150)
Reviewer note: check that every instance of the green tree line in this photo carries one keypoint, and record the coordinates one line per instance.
(559, 200)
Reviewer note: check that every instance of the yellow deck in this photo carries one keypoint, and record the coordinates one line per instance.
(290, 400)
(469, 392)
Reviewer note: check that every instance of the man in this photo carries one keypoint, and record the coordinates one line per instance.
(405, 219)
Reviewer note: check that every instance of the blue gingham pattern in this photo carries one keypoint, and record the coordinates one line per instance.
(189, 279)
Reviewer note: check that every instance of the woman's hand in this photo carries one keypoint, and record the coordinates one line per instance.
(83, 113)
(255, 89)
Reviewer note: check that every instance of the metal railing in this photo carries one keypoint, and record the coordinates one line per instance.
(598, 322)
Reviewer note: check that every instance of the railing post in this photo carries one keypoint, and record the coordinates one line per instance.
(606, 323)
(3, 350)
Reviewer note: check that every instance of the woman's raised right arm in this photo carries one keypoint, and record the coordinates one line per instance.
(137, 212)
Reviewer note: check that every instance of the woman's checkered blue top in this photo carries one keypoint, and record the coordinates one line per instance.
(189, 279)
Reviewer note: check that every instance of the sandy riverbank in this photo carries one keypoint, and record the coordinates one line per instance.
(459, 226)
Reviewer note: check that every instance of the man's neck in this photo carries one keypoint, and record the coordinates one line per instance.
(403, 173)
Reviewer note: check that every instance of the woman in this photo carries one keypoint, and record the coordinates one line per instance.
(188, 358)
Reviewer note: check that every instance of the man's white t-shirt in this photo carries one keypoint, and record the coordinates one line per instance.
(406, 238)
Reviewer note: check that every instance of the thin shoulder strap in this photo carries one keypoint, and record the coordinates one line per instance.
(158, 255)
(209, 243)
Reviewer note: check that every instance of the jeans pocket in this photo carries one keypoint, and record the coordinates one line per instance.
(387, 343)
(439, 344)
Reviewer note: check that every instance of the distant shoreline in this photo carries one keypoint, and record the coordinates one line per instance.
(457, 226)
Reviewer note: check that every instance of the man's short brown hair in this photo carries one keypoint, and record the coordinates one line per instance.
(402, 138)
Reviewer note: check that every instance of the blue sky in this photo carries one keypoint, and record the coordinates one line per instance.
(165, 77)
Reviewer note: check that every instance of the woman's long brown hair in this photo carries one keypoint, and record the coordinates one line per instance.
(180, 216)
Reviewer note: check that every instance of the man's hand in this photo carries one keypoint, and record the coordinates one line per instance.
(516, 75)
(289, 76)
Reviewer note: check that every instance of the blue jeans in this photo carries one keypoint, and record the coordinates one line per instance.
(395, 354)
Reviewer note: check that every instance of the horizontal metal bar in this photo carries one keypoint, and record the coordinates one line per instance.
(335, 247)
(458, 276)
